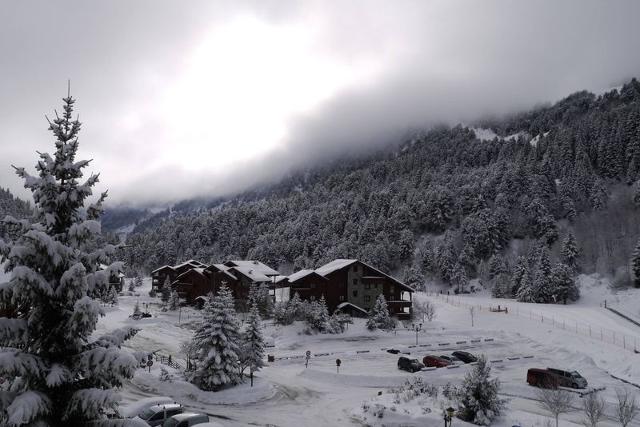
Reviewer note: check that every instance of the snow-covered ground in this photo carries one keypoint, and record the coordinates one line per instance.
(288, 394)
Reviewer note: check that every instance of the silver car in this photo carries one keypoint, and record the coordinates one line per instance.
(156, 415)
(186, 419)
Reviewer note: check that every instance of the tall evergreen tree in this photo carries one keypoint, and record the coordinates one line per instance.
(519, 270)
(379, 317)
(217, 342)
(569, 251)
(564, 286)
(253, 343)
(57, 373)
(635, 264)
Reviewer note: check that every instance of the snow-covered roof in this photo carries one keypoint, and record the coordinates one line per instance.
(254, 265)
(191, 262)
(348, 304)
(279, 279)
(336, 264)
(198, 270)
(222, 269)
(161, 268)
(339, 264)
(251, 273)
(300, 274)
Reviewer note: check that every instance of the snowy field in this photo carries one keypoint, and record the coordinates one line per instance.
(286, 393)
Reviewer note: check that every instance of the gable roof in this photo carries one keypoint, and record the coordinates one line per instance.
(339, 264)
(198, 270)
(221, 268)
(254, 265)
(162, 268)
(302, 274)
(335, 265)
(190, 262)
(251, 273)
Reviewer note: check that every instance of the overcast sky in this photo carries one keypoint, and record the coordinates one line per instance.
(193, 98)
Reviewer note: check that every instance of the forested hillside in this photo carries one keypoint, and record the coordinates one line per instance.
(446, 205)
(11, 205)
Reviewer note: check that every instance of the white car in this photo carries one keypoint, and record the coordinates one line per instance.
(186, 419)
(156, 415)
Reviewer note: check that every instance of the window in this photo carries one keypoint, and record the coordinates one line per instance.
(367, 286)
(355, 293)
(355, 281)
(367, 298)
(341, 298)
(355, 268)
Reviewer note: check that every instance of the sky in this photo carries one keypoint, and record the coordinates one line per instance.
(206, 98)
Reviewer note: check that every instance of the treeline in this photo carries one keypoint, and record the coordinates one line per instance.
(13, 206)
(442, 205)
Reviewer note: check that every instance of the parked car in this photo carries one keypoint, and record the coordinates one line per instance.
(186, 419)
(393, 351)
(410, 365)
(156, 415)
(465, 356)
(554, 378)
(454, 360)
(435, 361)
(571, 379)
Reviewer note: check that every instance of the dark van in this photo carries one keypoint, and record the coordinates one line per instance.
(410, 365)
(554, 378)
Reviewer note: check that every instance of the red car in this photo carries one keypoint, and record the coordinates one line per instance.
(435, 361)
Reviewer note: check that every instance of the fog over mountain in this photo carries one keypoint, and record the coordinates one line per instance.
(205, 100)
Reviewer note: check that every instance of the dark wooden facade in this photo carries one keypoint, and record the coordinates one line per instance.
(192, 284)
(357, 283)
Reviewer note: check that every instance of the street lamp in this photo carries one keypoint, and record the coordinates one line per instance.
(448, 416)
(417, 328)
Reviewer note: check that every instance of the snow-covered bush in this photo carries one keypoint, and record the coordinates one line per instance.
(174, 301)
(379, 317)
(165, 376)
(478, 395)
(57, 371)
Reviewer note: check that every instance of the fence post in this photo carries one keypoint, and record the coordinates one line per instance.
(624, 341)
(589, 330)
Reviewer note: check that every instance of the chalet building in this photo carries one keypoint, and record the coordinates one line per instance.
(116, 278)
(193, 281)
(352, 286)
(159, 275)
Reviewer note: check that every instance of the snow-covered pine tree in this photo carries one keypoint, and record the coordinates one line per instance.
(137, 280)
(379, 317)
(564, 286)
(569, 251)
(519, 270)
(542, 285)
(525, 290)
(217, 342)
(253, 343)
(165, 291)
(478, 395)
(112, 296)
(132, 286)
(56, 372)
(635, 265)
(174, 301)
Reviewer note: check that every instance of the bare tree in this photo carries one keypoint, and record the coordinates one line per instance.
(593, 407)
(555, 401)
(424, 309)
(627, 406)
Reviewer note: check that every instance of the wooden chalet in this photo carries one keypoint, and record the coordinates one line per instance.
(159, 275)
(195, 281)
(116, 277)
(351, 285)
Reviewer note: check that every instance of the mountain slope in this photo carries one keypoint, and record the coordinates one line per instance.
(444, 203)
